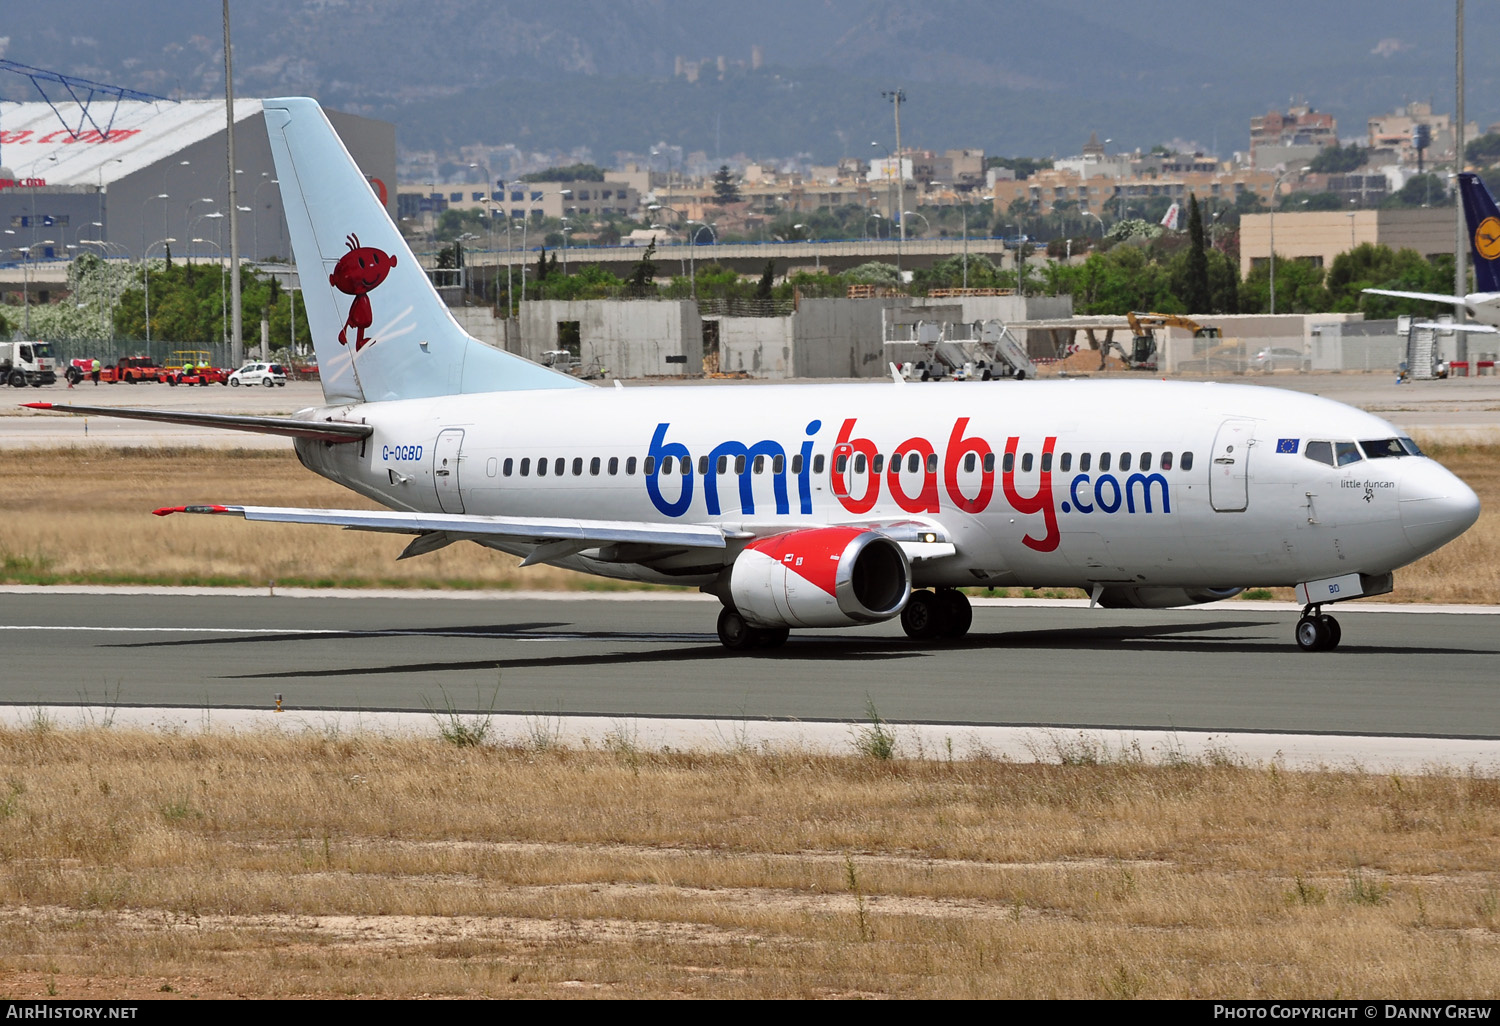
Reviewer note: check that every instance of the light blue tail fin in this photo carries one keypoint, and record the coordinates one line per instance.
(1484, 231)
(379, 328)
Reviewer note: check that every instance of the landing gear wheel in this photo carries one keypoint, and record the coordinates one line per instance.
(922, 619)
(772, 637)
(1318, 633)
(734, 633)
(1335, 633)
(955, 614)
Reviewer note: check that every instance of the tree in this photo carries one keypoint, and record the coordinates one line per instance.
(767, 281)
(1420, 191)
(541, 266)
(1484, 151)
(1195, 283)
(1335, 160)
(570, 173)
(642, 279)
(725, 189)
(1299, 288)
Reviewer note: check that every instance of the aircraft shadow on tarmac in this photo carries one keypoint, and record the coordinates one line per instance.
(1146, 639)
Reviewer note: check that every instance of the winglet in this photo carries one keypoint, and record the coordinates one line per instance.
(167, 511)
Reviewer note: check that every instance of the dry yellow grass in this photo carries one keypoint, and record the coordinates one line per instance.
(82, 516)
(137, 864)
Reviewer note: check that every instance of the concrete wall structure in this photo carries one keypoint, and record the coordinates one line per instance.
(627, 339)
(1320, 236)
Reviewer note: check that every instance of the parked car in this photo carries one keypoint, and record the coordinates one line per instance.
(1277, 358)
(268, 374)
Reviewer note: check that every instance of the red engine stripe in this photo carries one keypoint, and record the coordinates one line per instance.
(812, 554)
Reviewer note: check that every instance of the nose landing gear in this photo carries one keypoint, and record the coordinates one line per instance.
(1317, 632)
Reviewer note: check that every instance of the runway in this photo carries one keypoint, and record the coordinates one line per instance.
(1230, 667)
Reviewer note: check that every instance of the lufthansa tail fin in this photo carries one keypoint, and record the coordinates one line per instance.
(379, 327)
(1483, 218)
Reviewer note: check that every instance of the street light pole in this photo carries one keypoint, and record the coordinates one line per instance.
(897, 98)
(146, 273)
(489, 213)
(1276, 195)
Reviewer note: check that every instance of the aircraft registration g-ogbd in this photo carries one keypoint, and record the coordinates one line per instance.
(820, 505)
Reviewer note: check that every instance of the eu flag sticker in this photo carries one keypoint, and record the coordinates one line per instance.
(1288, 445)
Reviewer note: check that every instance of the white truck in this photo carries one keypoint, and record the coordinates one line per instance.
(27, 363)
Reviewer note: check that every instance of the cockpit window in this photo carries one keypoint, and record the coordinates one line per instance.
(1320, 451)
(1346, 453)
(1410, 447)
(1383, 448)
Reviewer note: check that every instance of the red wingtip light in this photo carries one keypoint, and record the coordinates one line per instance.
(38, 406)
(168, 511)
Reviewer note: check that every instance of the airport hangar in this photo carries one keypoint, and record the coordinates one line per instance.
(67, 175)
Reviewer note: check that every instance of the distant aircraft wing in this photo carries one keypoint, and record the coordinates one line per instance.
(1431, 297)
(291, 427)
(550, 537)
(1486, 329)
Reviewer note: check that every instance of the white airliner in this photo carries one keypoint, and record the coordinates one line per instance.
(820, 505)
(1483, 220)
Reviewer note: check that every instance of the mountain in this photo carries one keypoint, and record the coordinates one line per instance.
(1015, 78)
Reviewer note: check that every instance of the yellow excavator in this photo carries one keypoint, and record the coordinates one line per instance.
(1143, 348)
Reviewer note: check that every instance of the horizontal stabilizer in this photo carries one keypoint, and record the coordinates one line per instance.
(534, 530)
(291, 427)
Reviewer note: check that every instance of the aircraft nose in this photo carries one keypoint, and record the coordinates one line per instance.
(1436, 507)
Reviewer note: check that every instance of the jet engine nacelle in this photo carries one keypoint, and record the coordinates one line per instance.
(1162, 598)
(820, 577)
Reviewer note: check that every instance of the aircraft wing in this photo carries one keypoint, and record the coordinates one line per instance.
(552, 537)
(1431, 297)
(292, 427)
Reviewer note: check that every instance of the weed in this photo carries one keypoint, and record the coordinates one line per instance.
(1305, 893)
(459, 730)
(1365, 892)
(623, 742)
(874, 741)
(40, 721)
(1489, 903)
(103, 716)
(861, 916)
(543, 731)
(1259, 594)
(1124, 983)
(179, 809)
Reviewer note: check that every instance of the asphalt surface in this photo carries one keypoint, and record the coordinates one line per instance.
(1232, 667)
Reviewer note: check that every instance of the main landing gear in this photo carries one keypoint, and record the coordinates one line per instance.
(1317, 632)
(738, 636)
(945, 613)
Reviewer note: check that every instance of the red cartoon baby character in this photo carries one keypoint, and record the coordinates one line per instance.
(358, 272)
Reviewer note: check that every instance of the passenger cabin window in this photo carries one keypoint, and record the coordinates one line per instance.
(594, 466)
(1103, 462)
(932, 463)
(557, 466)
(1046, 462)
(630, 466)
(541, 467)
(614, 465)
(525, 466)
(818, 464)
(1166, 461)
(797, 463)
(1124, 462)
(1187, 461)
(841, 464)
(577, 465)
(703, 465)
(778, 465)
(1346, 453)
(739, 464)
(1145, 461)
(970, 462)
(1067, 462)
(989, 463)
(1009, 465)
(859, 463)
(723, 464)
(507, 466)
(914, 462)
(1084, 462)
(1026, 463)
(648, 466)
(877, 463)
